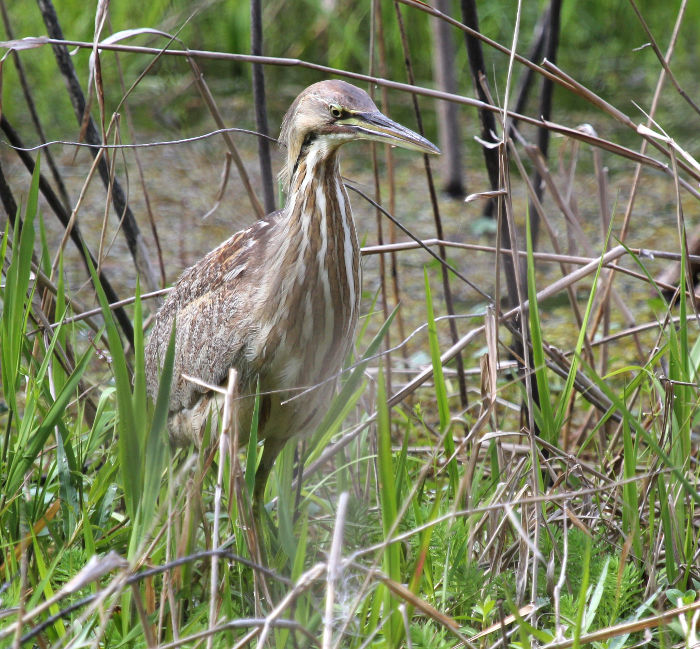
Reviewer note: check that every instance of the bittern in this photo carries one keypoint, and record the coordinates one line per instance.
(278, 301)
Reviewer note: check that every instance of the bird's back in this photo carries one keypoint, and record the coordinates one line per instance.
(213, 305)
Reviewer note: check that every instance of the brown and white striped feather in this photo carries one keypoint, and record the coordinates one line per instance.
(278, 301)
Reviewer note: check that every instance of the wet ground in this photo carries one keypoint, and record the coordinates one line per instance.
(182, 182)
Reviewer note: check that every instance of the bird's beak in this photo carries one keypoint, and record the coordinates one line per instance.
(378, 127)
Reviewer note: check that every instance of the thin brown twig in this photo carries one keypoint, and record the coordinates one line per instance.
(418, 90)
(390, 179)
(131, 231)
(663, 59)
(54, 202)
(590, 392)
(142, 175)
(607, 286)
(386, 343)
(233, 150)
(517, 503)
(82, 313)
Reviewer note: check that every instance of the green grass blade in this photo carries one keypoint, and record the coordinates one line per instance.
(619, 405)
(547, 418)
(356, 376)
(440, 387)
(130, 443)
(680, 376)
(58, 373)
(139, 359)
(596, 597)
(392, 557)
(345, 400)
(45, 588)
(15, 303)
(647, 606)
(325, 433)
(251, 460)
(284, 472)
(36, 442)
(566, 394)
(423, 563)
(157, 445)
(583, 594)
(630, 510)
(667, 525)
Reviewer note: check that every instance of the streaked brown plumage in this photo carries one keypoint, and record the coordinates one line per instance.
(279, 301)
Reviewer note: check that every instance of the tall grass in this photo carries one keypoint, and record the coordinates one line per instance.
(109, 537)
(116, 491)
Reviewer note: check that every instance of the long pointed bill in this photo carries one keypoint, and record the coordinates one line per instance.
(375, 126)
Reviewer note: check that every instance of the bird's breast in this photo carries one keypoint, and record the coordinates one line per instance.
(314, 299)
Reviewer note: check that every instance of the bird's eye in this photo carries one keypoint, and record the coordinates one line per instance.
(335, 110)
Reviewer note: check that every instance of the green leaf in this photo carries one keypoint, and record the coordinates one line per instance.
(639, 429)
(157, 446)
(356, 377)
(251, 462)
(16, 304)
(583, 593)
(392, 556)
(140, 397)
(36, 442)
(566, 394)
(596, 596)
(440, 388)
(130, 443)
(547, 424)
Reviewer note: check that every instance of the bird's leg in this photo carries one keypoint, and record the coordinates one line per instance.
(271, 450)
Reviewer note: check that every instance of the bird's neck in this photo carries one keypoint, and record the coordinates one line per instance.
(317, 258)
(317, 162)
(318, 207)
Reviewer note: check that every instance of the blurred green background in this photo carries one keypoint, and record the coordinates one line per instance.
(602, 45)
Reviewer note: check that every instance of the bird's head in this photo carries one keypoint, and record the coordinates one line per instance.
(334, 112)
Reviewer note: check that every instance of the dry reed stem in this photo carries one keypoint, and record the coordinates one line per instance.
(241, 623)
(233, 150)
(607, 286)
(143, 616)
(400, 591)
(334, 569)
(305, 581)
(625, 628)
(380, 548)
(226, 425)
(498, 506)
(567, 283)
(550, 290)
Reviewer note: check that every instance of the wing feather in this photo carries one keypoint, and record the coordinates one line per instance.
(213, 303)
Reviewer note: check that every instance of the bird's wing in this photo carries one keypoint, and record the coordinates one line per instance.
(213, 304)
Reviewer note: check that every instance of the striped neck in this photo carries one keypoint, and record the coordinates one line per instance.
(318, 213)
(317, 160)
(316, 267)
(318, 209)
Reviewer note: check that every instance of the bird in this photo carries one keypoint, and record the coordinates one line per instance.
(278, 301)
